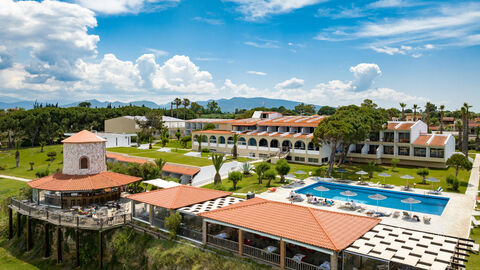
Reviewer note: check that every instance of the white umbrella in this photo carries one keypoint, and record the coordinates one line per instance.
(300, 172)
(341, 171)
(407, 177)
(384, 175)
(377, 197)
(290, 176)
(361, 173)
(321, 189)
(410, 201)
(433, 180)
(348, 193)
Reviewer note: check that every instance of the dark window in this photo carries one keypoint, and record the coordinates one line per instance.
(374, 136)
(404, 151)
(437, 153)
(313, 160)
(388, 150)
(388, 136)
(420, 152)
(300, 159)
(83, 163)
(372, 149)
(404, 137)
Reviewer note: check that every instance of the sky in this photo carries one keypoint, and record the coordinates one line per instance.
(314, 51)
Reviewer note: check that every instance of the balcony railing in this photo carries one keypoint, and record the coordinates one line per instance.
(292, 264)
(192, 234)
(222, 243)
(65, 218)
(261, 254)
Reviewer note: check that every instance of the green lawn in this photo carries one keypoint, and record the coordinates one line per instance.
(175, 144)
(249, 183)
(28, 155)
(175, 157)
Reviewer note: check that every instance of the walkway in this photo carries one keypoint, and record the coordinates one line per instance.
(15, 178)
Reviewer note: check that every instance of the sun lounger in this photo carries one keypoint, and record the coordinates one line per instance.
(396, 214)
(406, 215)
(426, 219)
(370, 212)
(475, 248)
(438, 191)
(387, 186)
(476, 223)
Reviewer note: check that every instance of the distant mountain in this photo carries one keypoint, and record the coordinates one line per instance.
(227, 105)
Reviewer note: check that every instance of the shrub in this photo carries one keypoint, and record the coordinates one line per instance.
(205, 150)
(51, 155)
(394, 162)
(423, 172)
(320, 171)
(3, 167)
(270, 175)
(235, 177)
(31, 165)
(283, 168)
(42, 173)
(450, 179)
(172, 223)
(455, 184)
(246, 168)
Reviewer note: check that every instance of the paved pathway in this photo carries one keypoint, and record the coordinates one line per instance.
(15, 178)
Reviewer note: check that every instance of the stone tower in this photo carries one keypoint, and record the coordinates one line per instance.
(84, 153)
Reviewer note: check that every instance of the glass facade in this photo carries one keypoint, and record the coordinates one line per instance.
(404, 150)
(437, 153)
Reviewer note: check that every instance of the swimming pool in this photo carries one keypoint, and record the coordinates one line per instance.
(429, 204)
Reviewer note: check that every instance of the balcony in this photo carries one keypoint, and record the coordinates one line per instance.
(261, 254)
(222, 243)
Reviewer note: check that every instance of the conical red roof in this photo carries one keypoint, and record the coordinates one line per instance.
(84, 136)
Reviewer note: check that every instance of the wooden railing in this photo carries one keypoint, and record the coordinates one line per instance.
(292, 264)
(222, 243)
(261, 254)
(59, 217)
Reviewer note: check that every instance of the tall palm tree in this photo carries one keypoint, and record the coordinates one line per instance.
(198, 138)
(442, 108)
(458, 125)
(217, 160)
(403, 105)
(171, 109)
(466, 116)
(177, 102)
(160, 162)
(415, 107)
(235, 138)
(185, 103)
(427, 115)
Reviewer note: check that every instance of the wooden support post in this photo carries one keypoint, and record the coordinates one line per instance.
(204, 231)
(19, 226)
(240, 242)
(100, 249)
(46, 244)
(150, 211)
(334, 261)
(10, 223)
(282, 254)
(29, 233)
(77, 248)
(59, 244)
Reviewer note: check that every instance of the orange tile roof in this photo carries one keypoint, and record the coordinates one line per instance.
(405, 126)
(316, 227)
(209, 120)
(246, 122)
(438, 140)
(391, 126)
(178, 197)
(294, 121)
(422, 139)
(214, 131)
(180, 169)
(128, 159)
(84, 136)
(63, 182)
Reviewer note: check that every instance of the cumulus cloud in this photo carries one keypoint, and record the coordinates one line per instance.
(125, 6)
(292, 83)
(365, 74)
(230, 89)
(259, 73)
(259, 9)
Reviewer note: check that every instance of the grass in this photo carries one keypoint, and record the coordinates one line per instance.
(175, 157)
(28, 155)
(248, 183)
(175, 144)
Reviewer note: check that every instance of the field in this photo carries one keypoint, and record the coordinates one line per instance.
(27, 155)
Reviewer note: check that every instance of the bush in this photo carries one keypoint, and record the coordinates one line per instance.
(450, 179)
(172, 223)
(205, 150)
(235, 177)
(3, 167)
(455, 185)
(319, 171)
(394, 162)
(42, 173)
(51, 155)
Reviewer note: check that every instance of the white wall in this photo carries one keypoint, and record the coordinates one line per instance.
(449, 147)
(417, 128)
(116, 140)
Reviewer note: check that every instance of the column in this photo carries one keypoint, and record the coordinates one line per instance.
(204, 232)
(77, 248)
(240, 242)
(100, 249)
(19, 226)
(29, 233)
(10, 223)
(334, 261)
(59, 244)
(46, 241)
(150, 212)
(282, 254)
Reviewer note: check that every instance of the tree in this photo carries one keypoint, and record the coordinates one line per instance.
(235, 138)
(466, 116)
(370, 169)
(42, 145)
(172, 222)
(394, 162)
(305, 109)
(326, 110)
(178, 134)
(415, 107)
(213, 107)
(217, 160)
(260, 170)
(17, 154)
(209, 126)
(177, 102)
(442, 108)
(423, 172)
(235, 177)
(429, 108)
(31, 165)
(403, 105)
(84, 104)
(283, 168)
(185, 103)
(459, 161)
(270, 175)
(185, 140)
(196, 108)
(459, 127)
(164, 137)
(368, 103)
(199, 138)
(160, 162)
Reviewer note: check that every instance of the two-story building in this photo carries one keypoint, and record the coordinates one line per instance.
(407, 141)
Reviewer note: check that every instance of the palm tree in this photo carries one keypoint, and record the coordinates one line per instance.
(198, 138)
(235, 138)
(403, 105)
(459, 125)
(477, 138)
(171, 109)
(442, 107)
(177, 102)
(160, 162)
(217, 160)
(415, 107)
(185, 103)
(427, 115)
(466, 115)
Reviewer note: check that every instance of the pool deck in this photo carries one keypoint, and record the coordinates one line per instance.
(455, 219)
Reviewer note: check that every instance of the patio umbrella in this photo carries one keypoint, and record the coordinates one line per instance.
(410, 201)
(433, 180)
(377, 197)
(384, 175)
(321, 189)
(348, 193)
(290, 176)
(300, 172)
(361, 173)
(341, 171)
(407, 177)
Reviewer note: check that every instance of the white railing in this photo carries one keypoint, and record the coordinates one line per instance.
(292, 264)
(261, 254)
(222, 243)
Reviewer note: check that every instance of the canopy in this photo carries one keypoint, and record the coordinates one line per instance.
(348, 193)
(321, 189)
(433, 179)
(162, 183)
(341, 170)
(362, 172)
(410, 201)
(384, 175)
(300, 172)
(377, 197)
(407, 177)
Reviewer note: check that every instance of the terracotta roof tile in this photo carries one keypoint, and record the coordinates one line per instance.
(84, 136)
(128, 159)
(317, 227)
(294, 121)
(63, 182)
(391, 126)
(405, 126)
(422, 139)
(180, 169)
(213, 131)
(178, 197)
(438, 140)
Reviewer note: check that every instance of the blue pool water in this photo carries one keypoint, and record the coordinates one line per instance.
(429, 204)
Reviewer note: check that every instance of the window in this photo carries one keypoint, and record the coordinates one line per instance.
(83, 163)
(288, 158)
(372, 149)
(263, 155)
(252, 155)
(300, 159)
(263, 143)
(325, 160)
(300, 145)
(437, 153)
(242, 141)
(388, 150)
(274, 143)
(374, 136)
(404, 137)
(388, 136)
(420, 152)
(358, 148)
(252, 142)
(404, 151)
(312, 147)
(313, 160)
(213, 139)
(222, 140)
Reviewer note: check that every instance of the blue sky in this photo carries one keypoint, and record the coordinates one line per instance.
(316, 51)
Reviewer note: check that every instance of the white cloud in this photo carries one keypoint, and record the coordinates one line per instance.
(292, 83)
(389, 4)
(125, 6)
(365, 74)
(230, 89)
(388, 50)
(259, 73)
(263, 44)
(211, 21)
(258, 9)
(158, 52)
(429, 46)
